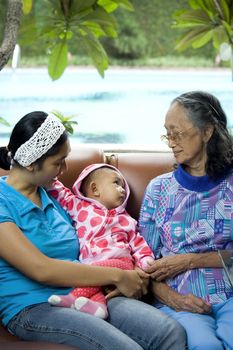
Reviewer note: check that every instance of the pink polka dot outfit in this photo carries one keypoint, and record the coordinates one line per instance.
(107, 237)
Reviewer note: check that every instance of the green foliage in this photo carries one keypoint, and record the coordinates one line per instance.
(66, 121)
(147, 32)
(144, 35)
(131, 42)
(4, 122)
(154, 19)
(210, 20)
(27, 6)
(58, 59)
(167, 61)
(172, 62)
(59, 24)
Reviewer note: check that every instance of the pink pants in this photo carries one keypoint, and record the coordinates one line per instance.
(96, 293)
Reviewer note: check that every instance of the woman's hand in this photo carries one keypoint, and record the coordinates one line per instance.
(179, 302)
(112, 293)
(172, 265)
(145, 280)
(169, 266)
(191, 303)
(132, 284)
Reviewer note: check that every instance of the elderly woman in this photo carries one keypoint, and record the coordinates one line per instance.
(187, 216)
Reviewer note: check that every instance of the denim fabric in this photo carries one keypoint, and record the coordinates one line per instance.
(132, 325)
(207, 332)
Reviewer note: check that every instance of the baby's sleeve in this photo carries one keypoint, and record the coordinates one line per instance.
(63, 195)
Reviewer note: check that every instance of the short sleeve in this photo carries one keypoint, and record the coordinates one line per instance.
(5, 215)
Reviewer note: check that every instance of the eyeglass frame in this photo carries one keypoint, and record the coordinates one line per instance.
(175, 137)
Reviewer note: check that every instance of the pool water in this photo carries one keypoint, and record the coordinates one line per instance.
(127, 106)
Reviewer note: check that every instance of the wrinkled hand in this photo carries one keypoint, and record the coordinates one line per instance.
(190, 303)
(169, 266)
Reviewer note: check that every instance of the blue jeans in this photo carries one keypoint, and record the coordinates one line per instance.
(132, 325)
(207, 332)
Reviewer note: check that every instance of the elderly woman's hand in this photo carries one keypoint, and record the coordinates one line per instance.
(169, 266)
(179, 302)
(191, 303)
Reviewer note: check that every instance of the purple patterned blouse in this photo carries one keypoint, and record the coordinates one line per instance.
(182, 214)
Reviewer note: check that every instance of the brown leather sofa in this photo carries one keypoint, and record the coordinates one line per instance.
(138, 166)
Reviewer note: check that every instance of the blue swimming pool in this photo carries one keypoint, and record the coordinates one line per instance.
(127, 106)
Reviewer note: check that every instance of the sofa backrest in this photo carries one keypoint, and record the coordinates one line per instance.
(138, 167)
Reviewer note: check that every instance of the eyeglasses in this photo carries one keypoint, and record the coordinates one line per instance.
(176, 137)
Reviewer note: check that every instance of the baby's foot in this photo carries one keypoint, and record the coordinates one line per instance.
(94, 308)
(62, 300)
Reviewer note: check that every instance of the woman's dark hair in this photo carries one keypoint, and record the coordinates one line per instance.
(204, 110)
(22, 132)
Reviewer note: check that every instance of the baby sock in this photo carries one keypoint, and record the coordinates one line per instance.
(94, 308)
(62, 300)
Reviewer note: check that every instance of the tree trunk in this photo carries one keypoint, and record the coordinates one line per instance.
(13, 14)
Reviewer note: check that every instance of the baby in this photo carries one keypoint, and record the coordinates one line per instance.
(107, 233)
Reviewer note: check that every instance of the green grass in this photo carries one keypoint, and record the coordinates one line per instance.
(156, 62)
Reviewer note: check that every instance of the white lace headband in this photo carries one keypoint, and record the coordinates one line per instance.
(40, 142)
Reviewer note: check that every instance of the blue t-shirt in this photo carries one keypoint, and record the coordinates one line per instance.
(50, 229)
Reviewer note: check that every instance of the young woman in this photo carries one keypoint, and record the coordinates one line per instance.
(187, 216)
(39, 251)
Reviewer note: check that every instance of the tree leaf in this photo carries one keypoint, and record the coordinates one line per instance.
(188, 38)
(111, 5)
(205, 5)
(96, 52)
(228, 28)
(74, 20)
(95, 28)
(208, 20)
(202, 39)
(82, 5)
(190, 18)
(219, 37)
(27, 6)
(194, 4)
(108, 5)
(126, 4)
(224, 7)
(106, 21)
(58, 60)
(66, 121)
(4, 122)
